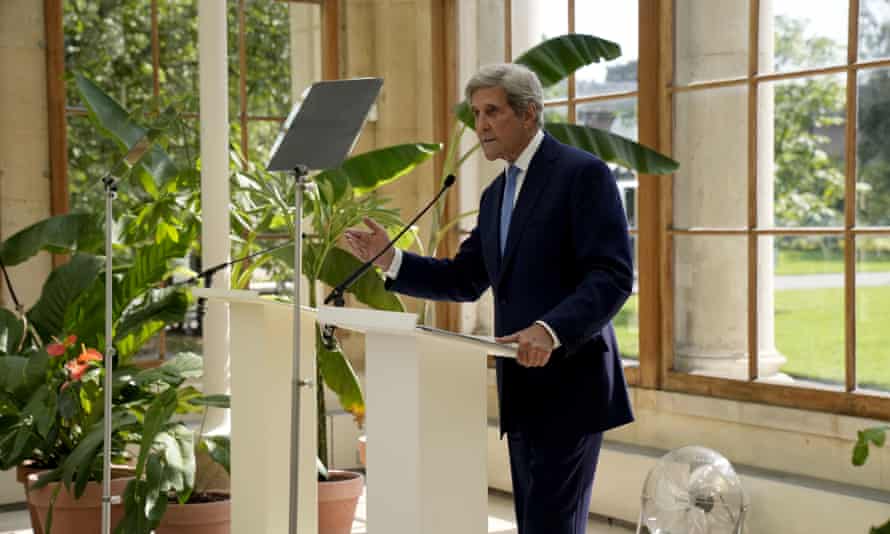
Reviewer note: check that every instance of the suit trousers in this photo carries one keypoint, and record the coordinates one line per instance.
(552, 479)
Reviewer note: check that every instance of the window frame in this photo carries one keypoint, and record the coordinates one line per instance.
(850, 401)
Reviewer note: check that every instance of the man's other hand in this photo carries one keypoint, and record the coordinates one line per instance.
(366, 245)
(534, 345)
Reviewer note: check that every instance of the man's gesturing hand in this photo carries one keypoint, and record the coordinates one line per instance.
(366, 245)
(535, 345)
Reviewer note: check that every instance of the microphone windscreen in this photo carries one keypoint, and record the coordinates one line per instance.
(449, 180)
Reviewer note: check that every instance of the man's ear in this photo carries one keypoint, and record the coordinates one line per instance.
(531, 114)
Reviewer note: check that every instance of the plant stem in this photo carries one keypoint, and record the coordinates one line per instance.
(322, 424)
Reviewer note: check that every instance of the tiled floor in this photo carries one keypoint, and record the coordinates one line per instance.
(500, 520)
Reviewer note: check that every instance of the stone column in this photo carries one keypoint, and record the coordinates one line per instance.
(305, 46)
(24, 139)
(24, 156)
(214, 98)
(710, 142)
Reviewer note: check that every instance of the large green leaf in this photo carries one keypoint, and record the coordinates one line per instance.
(139, 324)
(178, 446)
(111, 117)
(12, 373)
(108, 113)
(368, 289)
(64, 285)
(366, 172)
(158, 415)
(219, 449)
(147, 270)
(12, 328)
(556, 58)
(339, 375)
(339, 264)
(613, 148)
(183, 366)
(58, 234)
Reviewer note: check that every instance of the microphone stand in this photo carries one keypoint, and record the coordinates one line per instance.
(336, 294)
(300, 173)
(110, 183)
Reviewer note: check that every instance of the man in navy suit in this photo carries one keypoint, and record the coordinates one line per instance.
(551, 242)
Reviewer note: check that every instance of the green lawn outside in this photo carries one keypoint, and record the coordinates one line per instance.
(627, 328)
(817, 262)
(810, 333)
(809, 329)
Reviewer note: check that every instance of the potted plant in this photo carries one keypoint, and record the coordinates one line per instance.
(344, 197)
(170, 493)
(50, 393)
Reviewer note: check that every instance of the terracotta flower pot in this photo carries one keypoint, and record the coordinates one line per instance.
(77, 516)
(337, 500)
(197, 518)
(21, 475)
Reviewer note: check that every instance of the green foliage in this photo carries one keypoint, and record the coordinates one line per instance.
(876, 436)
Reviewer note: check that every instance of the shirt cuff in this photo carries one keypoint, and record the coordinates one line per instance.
(550, 331)
(393, 272)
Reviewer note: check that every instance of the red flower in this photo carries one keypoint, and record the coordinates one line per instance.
(76, 368)
(89, 355)
(59, 347)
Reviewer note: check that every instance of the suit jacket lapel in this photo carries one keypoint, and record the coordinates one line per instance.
(533, 184)
(491, 247)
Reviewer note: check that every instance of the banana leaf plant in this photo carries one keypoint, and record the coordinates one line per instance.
(263, 205)
(553, 61)
(167, 466)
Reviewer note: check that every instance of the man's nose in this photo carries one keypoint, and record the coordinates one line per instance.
(481, 124)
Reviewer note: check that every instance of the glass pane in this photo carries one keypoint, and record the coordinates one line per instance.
(873, 151)
(556, 114)
(535, 21)
(711, 185)
(90, 157)
(873, 312)
(809, 309)
(178, 39)
(616, 116)
(627, 328)
(806, 35)
(808, 148)
(711, 40)
(268, 58)
(874, 29)
(710, 305)
(110, 43)
(261, 137)
(619, 23)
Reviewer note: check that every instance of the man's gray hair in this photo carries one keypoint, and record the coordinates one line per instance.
(521, 84)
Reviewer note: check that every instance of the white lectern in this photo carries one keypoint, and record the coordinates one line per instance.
(426, 424)
(426, 420)
(261, 341)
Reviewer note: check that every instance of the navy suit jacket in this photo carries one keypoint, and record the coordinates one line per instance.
(568, 263)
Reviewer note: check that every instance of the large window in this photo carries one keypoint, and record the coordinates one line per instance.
(144, 53)
(602, 95)
(779, 258)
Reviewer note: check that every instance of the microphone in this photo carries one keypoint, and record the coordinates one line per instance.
(207, 275)
(336, 294)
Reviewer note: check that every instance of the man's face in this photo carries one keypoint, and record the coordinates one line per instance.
(502, 133)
